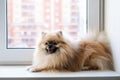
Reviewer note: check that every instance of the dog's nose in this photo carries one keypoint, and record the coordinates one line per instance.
(49, 46)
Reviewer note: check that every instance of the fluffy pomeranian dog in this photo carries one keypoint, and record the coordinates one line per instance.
(56, 53)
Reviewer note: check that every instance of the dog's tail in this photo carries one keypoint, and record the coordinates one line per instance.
(103, 38)
(100, 37)
(104, 41)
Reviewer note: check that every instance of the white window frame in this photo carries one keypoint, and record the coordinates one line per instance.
(24, 56)
(95, 15)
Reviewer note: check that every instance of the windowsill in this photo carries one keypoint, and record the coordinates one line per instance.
(20, 72)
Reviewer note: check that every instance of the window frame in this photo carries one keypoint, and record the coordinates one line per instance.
(24, 56)
(95, 15)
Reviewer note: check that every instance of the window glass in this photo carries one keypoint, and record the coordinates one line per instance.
(26, 19)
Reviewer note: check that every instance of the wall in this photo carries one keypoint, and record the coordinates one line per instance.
(112, 24)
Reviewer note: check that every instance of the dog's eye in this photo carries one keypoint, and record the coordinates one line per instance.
(46, 43)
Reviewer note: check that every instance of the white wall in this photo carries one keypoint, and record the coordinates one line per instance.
(112, 24)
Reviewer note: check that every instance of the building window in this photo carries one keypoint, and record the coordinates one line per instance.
(28, 18)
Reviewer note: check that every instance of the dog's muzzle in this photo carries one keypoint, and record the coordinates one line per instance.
(51, 49)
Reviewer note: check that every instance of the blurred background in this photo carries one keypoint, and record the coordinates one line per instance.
(26, 19)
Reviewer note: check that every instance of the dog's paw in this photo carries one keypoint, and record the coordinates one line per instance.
(85, 68)
(31, 69)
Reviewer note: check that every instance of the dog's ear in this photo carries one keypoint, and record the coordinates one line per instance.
(43, 34)
(59, 34)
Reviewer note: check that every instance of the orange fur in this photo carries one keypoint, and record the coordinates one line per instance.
(89, 55)
(97, 57)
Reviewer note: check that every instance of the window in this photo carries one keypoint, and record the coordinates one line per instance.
(26, 19)
(21, 21)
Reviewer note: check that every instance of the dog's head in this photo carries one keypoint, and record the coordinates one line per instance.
(51, 42)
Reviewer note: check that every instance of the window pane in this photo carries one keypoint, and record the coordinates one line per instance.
(26, 19)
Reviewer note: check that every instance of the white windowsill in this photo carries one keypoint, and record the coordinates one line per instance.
(20, 72)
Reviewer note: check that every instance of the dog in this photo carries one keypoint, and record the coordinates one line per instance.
(55, 52)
